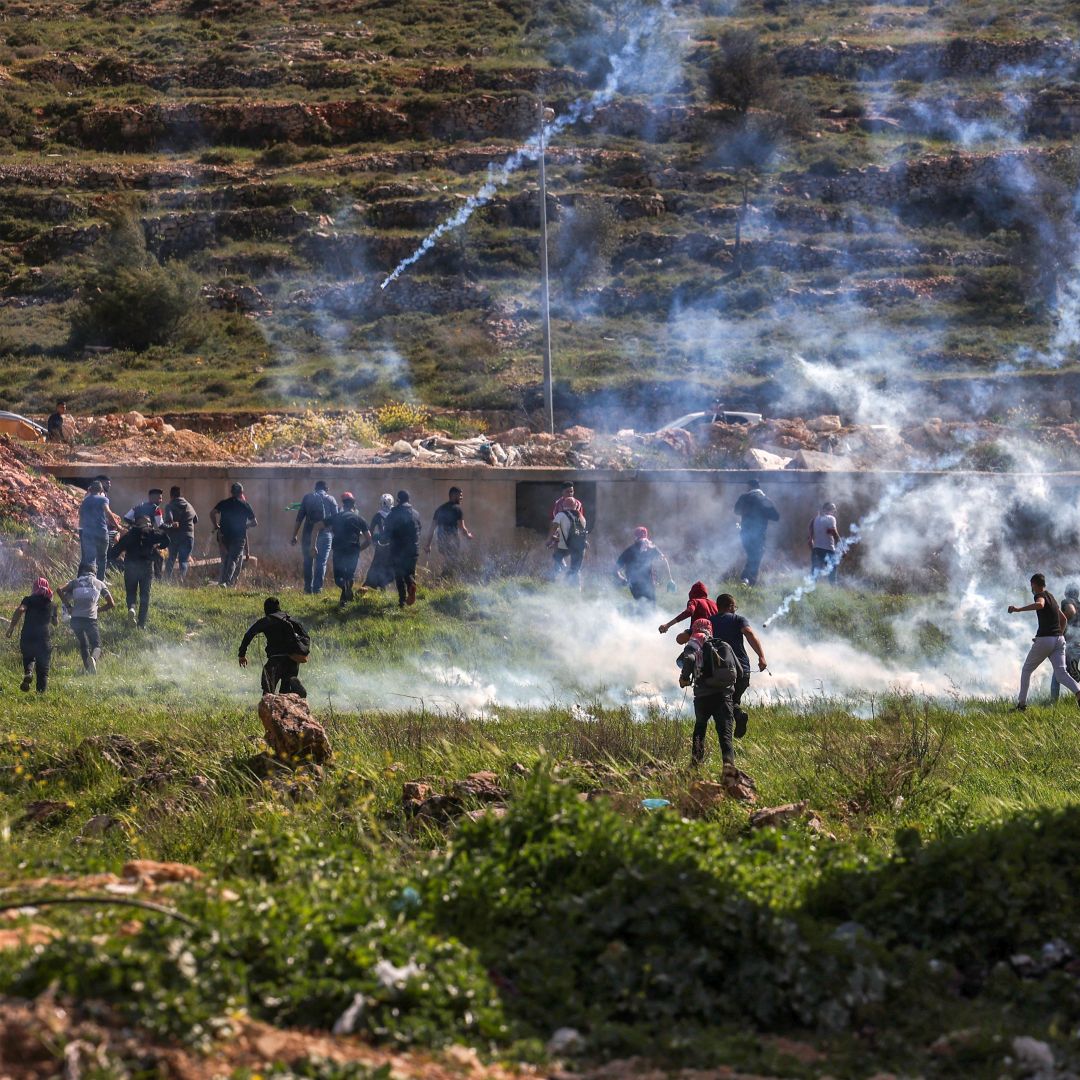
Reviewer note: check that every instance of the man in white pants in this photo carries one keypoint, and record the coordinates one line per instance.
(1048, 643)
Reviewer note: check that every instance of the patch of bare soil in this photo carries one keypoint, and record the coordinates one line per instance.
(48, 1037)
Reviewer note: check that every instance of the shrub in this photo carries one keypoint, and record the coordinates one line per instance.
(587, 237)
(400, 416)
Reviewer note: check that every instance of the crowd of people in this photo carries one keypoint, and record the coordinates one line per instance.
(156, 539)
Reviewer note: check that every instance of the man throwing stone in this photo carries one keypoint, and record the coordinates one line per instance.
(1048, 643)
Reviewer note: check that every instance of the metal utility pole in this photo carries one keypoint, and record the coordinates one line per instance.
(545, 307)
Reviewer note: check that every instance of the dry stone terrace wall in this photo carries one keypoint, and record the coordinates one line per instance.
(926, 178)
(255, 123)
(958, 56)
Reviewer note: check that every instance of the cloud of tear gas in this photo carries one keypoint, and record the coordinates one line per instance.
(634, 61)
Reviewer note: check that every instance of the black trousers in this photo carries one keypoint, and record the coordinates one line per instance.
(345, 563)
(643, 590)
(138, 581)
(37, 659)
(719, 708)
(742, 684)
(281, 671)
(89, 638)
(404, 576)
(575, 555)
(754, 546)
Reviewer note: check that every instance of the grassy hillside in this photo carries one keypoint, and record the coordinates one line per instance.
(680, 932)
(708, 221)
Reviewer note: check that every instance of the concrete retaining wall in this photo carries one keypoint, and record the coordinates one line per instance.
(689, 512)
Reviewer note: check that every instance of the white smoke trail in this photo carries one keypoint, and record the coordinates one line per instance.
(857, 529)
(622, 64)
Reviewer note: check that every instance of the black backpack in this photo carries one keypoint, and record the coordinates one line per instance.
(577, 536)
(299, 646)
(321, 509)
(720, 668)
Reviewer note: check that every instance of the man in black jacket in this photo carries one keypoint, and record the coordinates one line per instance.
(282, 667)
(403, 528)
(351, 536)
(755, 509)
(140, 546)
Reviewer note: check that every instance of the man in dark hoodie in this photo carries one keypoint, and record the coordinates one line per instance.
(140, 546)
(286, 648)
(698, 606)
(755, 510)
(637, 566)
(403, 528)
(180, 522)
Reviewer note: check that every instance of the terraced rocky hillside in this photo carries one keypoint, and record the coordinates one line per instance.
(884, 189)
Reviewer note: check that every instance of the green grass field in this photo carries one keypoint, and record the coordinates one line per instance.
(684, 936)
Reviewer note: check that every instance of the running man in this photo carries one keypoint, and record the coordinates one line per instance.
(447, 528)
(287, 646)
(81, 597)
(737, 631)
(35, 642)
(1048, 643)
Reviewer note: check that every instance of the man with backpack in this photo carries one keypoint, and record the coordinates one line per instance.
(315, 507)
(141, 545)
(736, 631)
(351, 536)
(709, 665)
(1070, 608)
(403, 528)
(569, 538)
(287, 647)
(755, 510)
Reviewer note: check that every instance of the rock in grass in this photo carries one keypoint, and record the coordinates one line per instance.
(1033, 1054)
(150, 872)
(292, 733)
(481, 785)
(776, 816)
(44, 812)
(738, 785)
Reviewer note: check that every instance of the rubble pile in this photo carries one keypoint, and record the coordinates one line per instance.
(27, 498)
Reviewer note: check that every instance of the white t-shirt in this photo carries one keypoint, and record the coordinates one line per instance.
(819, 532)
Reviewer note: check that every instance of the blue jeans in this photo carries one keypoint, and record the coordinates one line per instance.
(315, 565)
(180, 548)
(94, 551)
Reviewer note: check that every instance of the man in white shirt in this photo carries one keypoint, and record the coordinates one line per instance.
(823, 539)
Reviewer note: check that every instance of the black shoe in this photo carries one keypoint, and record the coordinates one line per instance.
(1023, 708)
(25, 684)
(740, 723)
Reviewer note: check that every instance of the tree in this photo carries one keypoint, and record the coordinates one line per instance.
(741, 73)
(129, 299)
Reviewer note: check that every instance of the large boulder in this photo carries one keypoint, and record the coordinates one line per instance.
(291, 731)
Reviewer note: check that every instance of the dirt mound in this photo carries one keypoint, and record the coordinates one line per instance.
(27, 498)
(157, 446)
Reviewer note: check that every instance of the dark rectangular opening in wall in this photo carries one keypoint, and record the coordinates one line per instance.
(535, 498)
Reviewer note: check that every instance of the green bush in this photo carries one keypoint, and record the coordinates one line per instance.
(129, 300)
(135, 307)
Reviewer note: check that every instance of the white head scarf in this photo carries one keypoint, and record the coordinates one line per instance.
(386, 502)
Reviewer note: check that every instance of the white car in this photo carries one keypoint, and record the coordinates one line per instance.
(19, 427)
(696, 420)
